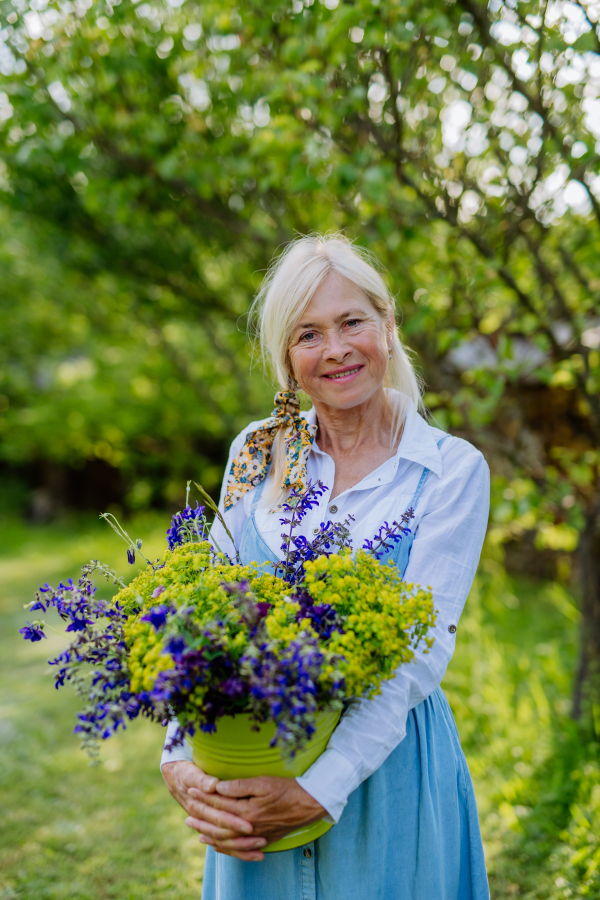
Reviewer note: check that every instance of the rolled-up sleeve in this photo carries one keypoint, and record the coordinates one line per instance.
(444, 556)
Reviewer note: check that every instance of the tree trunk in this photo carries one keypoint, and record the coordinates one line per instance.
(587, 682)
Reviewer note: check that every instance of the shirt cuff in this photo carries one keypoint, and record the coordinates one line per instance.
(330, 781)
(183, 752)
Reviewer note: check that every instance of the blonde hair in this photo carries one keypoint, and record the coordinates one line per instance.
(291, 280)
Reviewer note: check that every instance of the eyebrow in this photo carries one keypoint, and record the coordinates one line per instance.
(348, 313)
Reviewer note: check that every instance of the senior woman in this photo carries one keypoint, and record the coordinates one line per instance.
(393, 778)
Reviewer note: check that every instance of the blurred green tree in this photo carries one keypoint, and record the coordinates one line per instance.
(166, 150)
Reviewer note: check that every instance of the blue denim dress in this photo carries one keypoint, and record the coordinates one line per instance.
(409, 832)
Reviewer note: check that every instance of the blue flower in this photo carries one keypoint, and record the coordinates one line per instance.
(130, 555)
(186, 526)
(389, 535)
(157, 616)
(32, 633)
(78, 624)
(176, 647)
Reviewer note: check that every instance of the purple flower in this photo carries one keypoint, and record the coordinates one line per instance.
(323, 617)
(176, 647)
(157, 616)
(32, 633)
(186, 526)
(389, 535)
(263, 608)
(130, 555)
(79, 624)
(234, 688)
(158, 591)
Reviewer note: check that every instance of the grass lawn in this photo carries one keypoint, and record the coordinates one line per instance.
(71, 831)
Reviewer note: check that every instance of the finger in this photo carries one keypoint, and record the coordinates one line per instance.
(229, 804)
(242, 787)
(244, 855)
(215, 833)
(196, 778)
(222, 819)
(226, 840)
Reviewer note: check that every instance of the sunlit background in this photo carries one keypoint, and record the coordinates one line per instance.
(153, 158)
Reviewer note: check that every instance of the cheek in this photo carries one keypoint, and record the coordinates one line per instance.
(303, 362)
(373, 345)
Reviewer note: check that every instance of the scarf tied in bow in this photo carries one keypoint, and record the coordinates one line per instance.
(252, 463)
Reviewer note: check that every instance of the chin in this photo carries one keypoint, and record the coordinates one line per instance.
(347, 399)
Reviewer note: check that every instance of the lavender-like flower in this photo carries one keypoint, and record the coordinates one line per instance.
(389, 535)
(285, 689)
(331, 537)
(186, 526)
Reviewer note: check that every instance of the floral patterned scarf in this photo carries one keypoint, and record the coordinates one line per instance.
(251, 465)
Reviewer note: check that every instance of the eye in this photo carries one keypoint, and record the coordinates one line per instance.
(307, 336)
(352, 322)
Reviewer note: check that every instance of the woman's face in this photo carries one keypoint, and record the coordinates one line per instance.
(339, 349)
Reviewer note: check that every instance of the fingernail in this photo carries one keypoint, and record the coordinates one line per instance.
(260, 843)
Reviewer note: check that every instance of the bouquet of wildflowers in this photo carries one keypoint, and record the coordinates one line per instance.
(197, 635)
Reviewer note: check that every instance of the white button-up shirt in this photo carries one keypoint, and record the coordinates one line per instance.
(449, 527)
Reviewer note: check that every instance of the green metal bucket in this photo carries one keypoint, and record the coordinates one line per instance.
(235, 751)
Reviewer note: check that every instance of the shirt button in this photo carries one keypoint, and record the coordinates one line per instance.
(307, 853)
(452, 629)
(333, 509)
(316, 530)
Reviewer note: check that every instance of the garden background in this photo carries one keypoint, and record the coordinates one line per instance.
(153, 157)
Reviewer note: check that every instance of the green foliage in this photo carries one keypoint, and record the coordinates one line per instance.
(66, 830)
(153, 157)
(536, 772)
(170, 149)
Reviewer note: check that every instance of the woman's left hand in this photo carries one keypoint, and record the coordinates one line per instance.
(273, 806)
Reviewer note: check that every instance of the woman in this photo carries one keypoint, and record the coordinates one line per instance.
(393, 778)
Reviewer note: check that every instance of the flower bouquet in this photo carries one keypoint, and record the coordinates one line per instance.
(254, 664)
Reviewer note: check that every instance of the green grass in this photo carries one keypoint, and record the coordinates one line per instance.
(71, 831)
(68, 830)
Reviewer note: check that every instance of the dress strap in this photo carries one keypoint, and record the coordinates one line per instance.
(424, 475)
(257, 493)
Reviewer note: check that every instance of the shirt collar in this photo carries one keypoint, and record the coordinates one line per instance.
(418, 442)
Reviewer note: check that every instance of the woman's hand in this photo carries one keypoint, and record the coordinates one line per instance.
(194, 790)
(271, 806)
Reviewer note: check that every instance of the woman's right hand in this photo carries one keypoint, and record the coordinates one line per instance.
(234, 831)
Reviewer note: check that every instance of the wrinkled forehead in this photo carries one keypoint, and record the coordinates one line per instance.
(334, 299)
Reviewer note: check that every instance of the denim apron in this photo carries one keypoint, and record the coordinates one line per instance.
(409, 832)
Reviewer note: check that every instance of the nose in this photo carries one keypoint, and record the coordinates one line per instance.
(335, 347)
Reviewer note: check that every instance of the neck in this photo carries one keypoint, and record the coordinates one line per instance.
(341, 432)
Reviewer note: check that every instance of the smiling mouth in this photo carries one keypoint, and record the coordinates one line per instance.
(344, 374)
